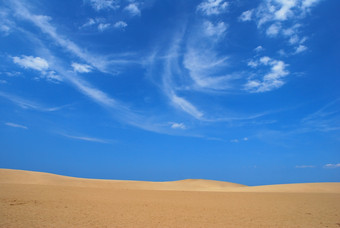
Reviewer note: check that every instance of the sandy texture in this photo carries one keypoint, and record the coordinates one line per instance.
(32, 199)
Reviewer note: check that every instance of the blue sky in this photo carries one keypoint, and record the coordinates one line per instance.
(241, 91)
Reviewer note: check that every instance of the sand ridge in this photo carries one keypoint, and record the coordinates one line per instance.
(32, 177)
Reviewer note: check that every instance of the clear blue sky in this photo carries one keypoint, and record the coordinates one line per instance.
(242, 91)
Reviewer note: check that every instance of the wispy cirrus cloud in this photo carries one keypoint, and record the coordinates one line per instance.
(120, 111)
(16, 125)
(186, 106)
(326, 119)
(5, 29)
(101, 63)
(6, 25)
(305, 166)
(204, 68)
(86, 138)
(27, 104)
(169, 87)
(332, 166)
(178, 126)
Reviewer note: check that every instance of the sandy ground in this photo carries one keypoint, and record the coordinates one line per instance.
(32, 199)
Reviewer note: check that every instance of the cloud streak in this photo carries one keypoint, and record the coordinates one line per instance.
(16, 125)
(87, 139)
(332, 166)
(326, 119)
(27, 104)
(305, 166)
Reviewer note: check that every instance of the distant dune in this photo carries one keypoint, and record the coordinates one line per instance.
(31, 177)
(35, 199)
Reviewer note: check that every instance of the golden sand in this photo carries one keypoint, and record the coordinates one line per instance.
(34, 199)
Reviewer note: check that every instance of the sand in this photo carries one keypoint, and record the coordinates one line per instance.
(34, 199)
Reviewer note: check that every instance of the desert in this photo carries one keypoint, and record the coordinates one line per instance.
(35, 199)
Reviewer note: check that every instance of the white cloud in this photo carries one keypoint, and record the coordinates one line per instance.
(3, 81)
(304, 166)
(300, 48)
(51, 76)
(16, 125)
(217, 30)
(89, 23)
(43, 22)
(245, 139)
(104, 4)
(270, 81)
(273, 30)
(234, 140)
(293, 39)
(246, 15)
(213, 7)
(81, 68)
(39, 64)
(133, 9)
(120, 24)
(307, 4)
(279, 17)
(13, 74)
(102, 63)
(31, 62)
(100, 23)
(178, 126)
(253, 63)
(259, 48)
(265, 60)
(282, 10)
(332, 166)
(103, 26)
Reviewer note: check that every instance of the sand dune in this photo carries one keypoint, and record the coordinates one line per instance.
(31, 177)
(34, 199)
